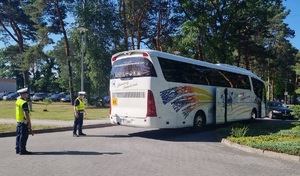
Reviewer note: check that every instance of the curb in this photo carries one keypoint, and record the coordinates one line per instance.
(260, 152)
(58, 129)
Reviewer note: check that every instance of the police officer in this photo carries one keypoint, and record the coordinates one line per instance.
(23, 122)
(78, 114)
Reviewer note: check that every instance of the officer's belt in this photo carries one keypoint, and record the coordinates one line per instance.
(24, 121)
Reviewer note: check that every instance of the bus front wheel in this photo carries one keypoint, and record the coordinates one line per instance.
(199, 121)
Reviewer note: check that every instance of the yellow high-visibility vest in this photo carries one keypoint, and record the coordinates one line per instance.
(80, 107)
(20, 117)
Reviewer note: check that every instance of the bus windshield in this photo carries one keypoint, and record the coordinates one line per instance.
(132, 67)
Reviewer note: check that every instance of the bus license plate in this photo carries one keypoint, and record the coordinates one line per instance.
(115, 101)
(126, 121)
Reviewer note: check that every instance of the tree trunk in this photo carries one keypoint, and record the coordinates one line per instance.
(67, 51)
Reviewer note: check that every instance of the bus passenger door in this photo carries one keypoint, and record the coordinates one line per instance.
(220, 105)
(232, 105)
(263, 104)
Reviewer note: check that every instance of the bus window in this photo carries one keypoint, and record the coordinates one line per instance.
(132, 67)
(175, 71)
(181, 72)
(258, 87)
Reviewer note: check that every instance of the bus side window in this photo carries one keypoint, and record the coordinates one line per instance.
(218, 79)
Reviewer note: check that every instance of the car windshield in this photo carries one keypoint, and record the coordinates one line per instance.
(42, 95)
(277, 104)
(12, 94)
(55, 95)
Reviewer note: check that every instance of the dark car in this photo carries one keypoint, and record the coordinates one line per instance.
(39, 96)
(67, 98)
(4, 94)
(57, 97)
(278, 110)
(105, 101)
(11, 96)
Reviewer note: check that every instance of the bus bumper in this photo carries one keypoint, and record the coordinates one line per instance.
(147, 122)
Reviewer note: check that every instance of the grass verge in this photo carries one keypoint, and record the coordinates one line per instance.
(5, 128)
(55, 111)
(277, 137)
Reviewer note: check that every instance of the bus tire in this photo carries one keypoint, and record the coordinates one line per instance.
(199, 121)
(253, 114)
(271, 115)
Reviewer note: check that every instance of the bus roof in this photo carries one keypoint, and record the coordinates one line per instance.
(224, 67)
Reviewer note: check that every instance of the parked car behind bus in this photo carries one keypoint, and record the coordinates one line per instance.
(39, 96)
(66, 98)
(105, 101)
(278, 110)
(11, 96)
(4, 94)
(57, 97)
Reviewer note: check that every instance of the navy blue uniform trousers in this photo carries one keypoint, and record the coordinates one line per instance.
(78, 123)
(22, 136)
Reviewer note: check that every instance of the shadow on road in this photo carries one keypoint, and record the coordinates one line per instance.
(75, 153)
(208, 134)
(110, 136)
(178, 135)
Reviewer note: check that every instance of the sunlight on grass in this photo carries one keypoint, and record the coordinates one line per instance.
(5, 128)
(55, 111)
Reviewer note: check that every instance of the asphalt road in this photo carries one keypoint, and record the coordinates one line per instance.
(119, 150)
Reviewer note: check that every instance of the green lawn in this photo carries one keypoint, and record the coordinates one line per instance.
(4, 128)
(55, 111)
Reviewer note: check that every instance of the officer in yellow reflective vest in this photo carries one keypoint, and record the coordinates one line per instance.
(79, 113)
(23, 122)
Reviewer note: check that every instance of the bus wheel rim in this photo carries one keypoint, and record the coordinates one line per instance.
(199, 121)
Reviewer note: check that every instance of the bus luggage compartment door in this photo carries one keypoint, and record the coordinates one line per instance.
(129, 104)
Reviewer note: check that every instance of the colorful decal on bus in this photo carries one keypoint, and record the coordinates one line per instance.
(186, 98)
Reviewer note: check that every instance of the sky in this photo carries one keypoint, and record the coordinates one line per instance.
(293, 21)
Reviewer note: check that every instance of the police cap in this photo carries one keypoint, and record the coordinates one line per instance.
(81, 93)
(22, 91)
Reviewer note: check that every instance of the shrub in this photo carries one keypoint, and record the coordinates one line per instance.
(47, 101)
(295, 110)
(296, 123)
(289, 133)
(290, 147)
(281, 137)
(239, 131)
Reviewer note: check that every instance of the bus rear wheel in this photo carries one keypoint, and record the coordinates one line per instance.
(271, 115)
(253, 114)
(199, 121)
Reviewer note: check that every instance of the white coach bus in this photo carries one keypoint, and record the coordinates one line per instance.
(156, 89)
